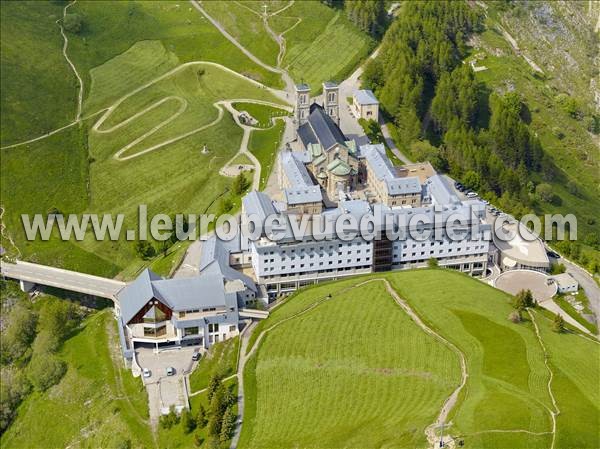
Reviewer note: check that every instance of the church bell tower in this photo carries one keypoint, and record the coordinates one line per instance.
(302, 103)
(331, 93)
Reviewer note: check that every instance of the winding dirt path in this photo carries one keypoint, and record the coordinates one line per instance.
(553, 413)
(244, 150)
(97, 127)
(289, 84)
(64, 51)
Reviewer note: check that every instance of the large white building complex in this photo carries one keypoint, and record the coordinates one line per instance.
(325, 175)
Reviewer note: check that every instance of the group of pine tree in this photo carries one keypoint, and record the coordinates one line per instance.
(423, 85)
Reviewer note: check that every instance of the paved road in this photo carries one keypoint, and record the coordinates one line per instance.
(65, 279)
(349, 123)
(587, 283)
(243, 357)
(166, 391)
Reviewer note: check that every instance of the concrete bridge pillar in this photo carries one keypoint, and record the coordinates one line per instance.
(26, 286)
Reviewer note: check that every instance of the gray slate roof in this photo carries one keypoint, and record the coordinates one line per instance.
(137, 293)
(384, 170)
(302, 189)
(259, 204)
(295, 170)
(177, 294)
(439, 191)
(215, 260)
(301, 195)
(193, 293)
(320, 128)
(365, 97)
(302, 87)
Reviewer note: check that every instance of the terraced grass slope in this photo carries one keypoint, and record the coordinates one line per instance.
(505, 403)
(321, 44)
(348, 364)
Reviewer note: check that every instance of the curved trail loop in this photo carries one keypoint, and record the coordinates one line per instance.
(449, 403)
(97, 127)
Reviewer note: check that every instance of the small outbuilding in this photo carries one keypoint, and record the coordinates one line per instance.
(565, 283)
(365, 105)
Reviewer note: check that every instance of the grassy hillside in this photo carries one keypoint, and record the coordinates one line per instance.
(110, 31)
(246, 26)
(505, 403)
(350, 364)
(321, 44)
(38, 88)
(96, 404)
(119, 49)
(555, 38)
(264, 144)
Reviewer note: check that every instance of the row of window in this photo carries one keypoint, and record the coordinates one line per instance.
(316, 272)
(312, 264)
(423, 245)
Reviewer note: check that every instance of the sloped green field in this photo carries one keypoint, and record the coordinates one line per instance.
(354, 372)
(308, 362)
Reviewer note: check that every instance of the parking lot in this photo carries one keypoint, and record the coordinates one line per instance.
(165, 391)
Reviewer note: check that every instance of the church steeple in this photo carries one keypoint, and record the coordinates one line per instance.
(331, 93)
(302, 103)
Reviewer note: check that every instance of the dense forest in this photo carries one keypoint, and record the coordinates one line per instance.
(441, 113)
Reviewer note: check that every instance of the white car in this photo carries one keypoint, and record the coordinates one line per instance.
(472, 195)
(146, 372)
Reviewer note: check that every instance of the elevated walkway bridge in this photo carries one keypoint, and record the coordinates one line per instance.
(30, 274)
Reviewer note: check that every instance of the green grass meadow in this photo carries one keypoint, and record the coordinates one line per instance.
(350, 364)
(263, 114)
(301, 382)
(322, 46)
(265, 144)
(122, 46)
(221, 359)
(246, 26)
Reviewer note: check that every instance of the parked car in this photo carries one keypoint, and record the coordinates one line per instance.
(146, 372)
(553, 254)
(472, 195)
(196, 356)
(170, 371)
